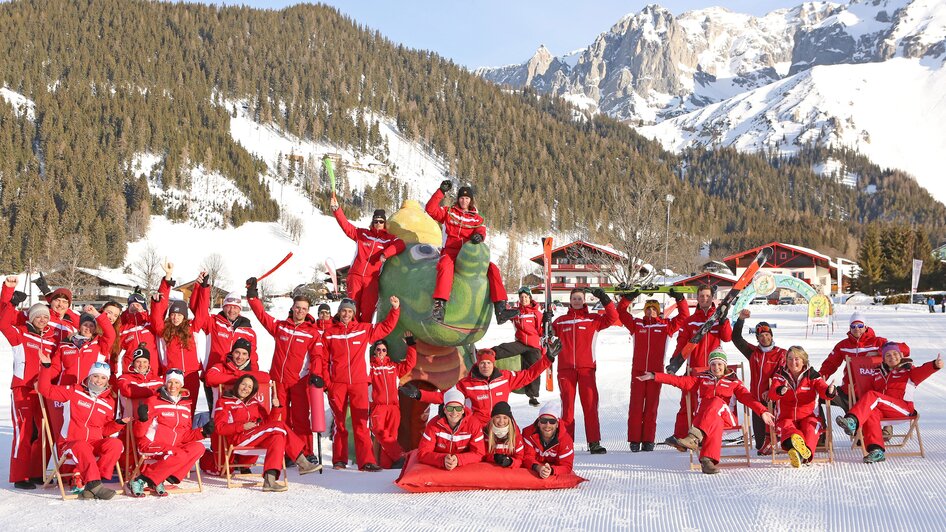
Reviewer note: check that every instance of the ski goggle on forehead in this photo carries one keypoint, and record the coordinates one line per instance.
(763, 329)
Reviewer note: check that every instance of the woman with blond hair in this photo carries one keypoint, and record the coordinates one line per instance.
(503, 438)
(795, 388)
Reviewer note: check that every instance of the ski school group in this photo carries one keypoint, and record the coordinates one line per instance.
(120, 384)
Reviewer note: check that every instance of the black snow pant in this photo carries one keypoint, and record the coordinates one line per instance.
(529, 356)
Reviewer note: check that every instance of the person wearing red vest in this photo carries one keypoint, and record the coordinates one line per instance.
(861, 341)
(549, 449)
(502, 439)
(177, 340)
(764, 360)
(795, 388)
(891, 394)
(486, 385)
(346, 380)
(222, 329)
(164, 430)
(461, 224)
(699, 358)
(385, 414)
(88, 440)
(28, 341)
(715, 388)
(135, 329)
(452, 439)
(578, 331)
(650, 335)
(297, 358)
(528, 324)
(243, 420)
(374, 246)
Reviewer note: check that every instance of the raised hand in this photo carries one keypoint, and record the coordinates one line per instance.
(334, 204)
(11, 281)
(89, 309)
(938, 363)
(744, 314)
(395, 302)
(168, 268)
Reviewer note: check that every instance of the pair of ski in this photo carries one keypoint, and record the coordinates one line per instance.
(722, 310)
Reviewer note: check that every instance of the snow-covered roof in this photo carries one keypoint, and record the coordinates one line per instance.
(800, 249)
(110, 276)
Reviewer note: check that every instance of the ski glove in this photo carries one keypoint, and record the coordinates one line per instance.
(42, 284)
(601, 295)
(206, 282)
(409, 340)
(781, 390)
(631, 296)
(547, 315)
(445, 186)
(553, 349)
(476, 238)
(410, 391)
(251, 290)
(143, 412)
(316, 381)
(17, 298)
(208, 428)
(674, 366)
(502, 460)
(677, 296)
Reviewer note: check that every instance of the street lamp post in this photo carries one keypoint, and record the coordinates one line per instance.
(669, 199)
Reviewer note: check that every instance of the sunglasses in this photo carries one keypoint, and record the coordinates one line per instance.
(857, 325)
(377, 222)
(548, 421)
(100, 365)
(453, 408)
(380, 350)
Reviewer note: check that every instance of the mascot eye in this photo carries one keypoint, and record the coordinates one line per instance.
(424, 252)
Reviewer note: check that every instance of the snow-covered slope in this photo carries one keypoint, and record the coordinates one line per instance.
(891, 111)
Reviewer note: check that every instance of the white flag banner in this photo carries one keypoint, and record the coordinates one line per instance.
(917, 266)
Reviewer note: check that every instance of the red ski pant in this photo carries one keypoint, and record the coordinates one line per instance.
(26, 460)
(808, 427)
(295, 398)
(584, 379)
(175, 461)
(642, 410)
(445, 267)
(712, 418)
(84, 454)
(364, 290)
(192, 384)
(385, 420)
(342, 397)
(871, 409)
(277, 439)
(681, 427)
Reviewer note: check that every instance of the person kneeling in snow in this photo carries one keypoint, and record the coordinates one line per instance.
(452, 439)
(891, 395)
(549, 450)
(796, 387)
(243, 420)
(503, 439)
(716, 388)
(90, 411)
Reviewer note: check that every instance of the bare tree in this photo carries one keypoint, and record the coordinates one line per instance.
(74, 253)
(216, 269)
(509, 262)
(148, 268)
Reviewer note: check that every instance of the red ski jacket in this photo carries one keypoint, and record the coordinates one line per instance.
(559, 453)
(385, 376)
(578, 331)
(226, 373)
(439, 439)
(851, 347)
(485, 392)
(90, 417)
(459, 225)
(371, 245)
(59, 329)
(27, 344)
(72, 364)
(221, 332)
(169, 422)
(901, 382)
(708, 387)
(135, 329)
(650, 336)
(517, 453)
(175, 354)
(346, 348)
(721, 332)
(231, 413)
(801, 396)
(528, 325)
(298, 347)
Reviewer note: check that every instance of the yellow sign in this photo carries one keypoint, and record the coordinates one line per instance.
(819, 309)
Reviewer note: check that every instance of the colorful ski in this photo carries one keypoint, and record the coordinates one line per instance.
(651, 289)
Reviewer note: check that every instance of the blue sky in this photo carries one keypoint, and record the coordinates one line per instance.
(497, 32)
